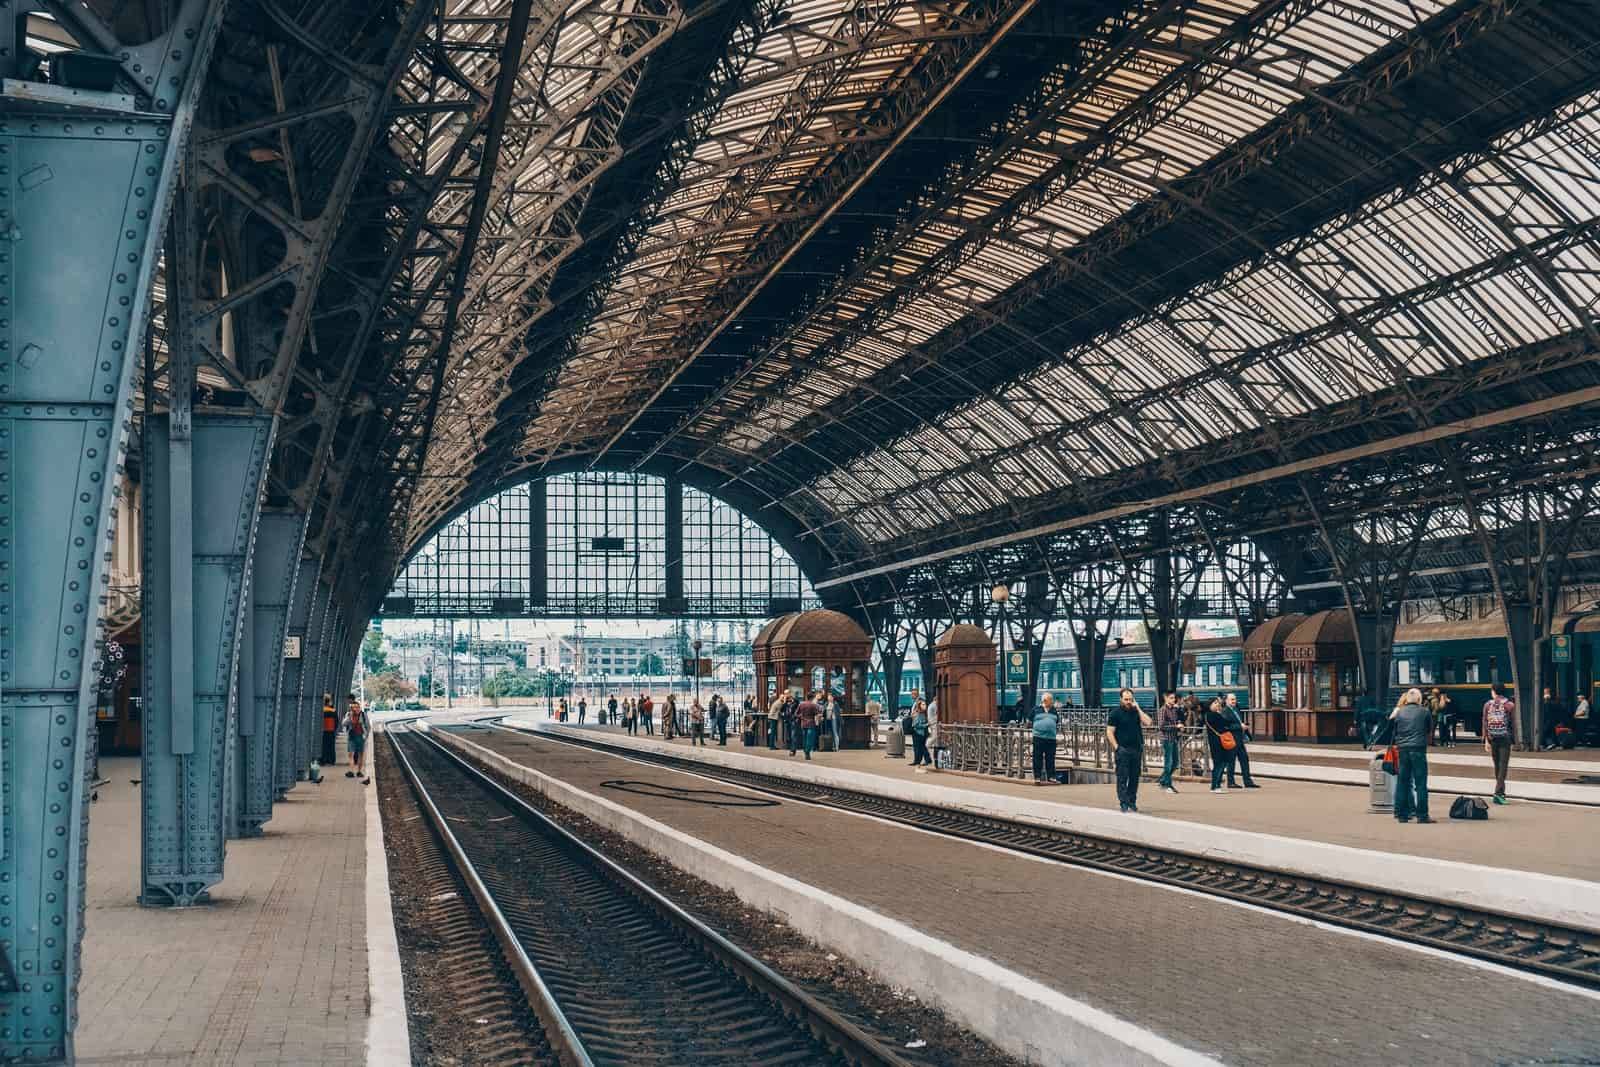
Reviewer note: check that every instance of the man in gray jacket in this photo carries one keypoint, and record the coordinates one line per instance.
(1413, 726)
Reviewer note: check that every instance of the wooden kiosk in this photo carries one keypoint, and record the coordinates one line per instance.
(964, 675)
(816, 650)
(1271, 678)
(1323, 659)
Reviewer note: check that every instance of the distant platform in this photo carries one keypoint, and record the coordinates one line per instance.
(273, 971)
(1526, 837)
(1005, 940)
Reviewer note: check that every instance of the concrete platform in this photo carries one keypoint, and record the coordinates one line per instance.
(275, 970)
(1065, 965)
(1528, 859)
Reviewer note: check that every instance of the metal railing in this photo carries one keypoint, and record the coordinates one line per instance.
(1080, 742)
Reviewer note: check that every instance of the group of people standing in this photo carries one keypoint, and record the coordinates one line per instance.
(803, 716)
(357, 727)
(1414, 720)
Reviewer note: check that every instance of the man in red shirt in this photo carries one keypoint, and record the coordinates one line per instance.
(809, 713)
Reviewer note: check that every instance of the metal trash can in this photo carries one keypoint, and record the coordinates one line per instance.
(1381, 788)
(895, 740)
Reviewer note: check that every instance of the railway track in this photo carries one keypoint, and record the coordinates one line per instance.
(615, 972)
(1561, 953)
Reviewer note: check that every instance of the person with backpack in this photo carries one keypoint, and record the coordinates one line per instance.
(1045, 725)
(1499, 734)
(357, 726)
(330, 730)
(919, 736)
(1413, 728)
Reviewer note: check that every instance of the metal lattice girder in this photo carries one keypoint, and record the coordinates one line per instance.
(277, 554)
(202, 499)
(85, 179)
(290, 758)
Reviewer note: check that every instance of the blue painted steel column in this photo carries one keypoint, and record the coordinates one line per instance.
(200, 507)
(318, 641)
(291, 693)
(85, 182)
(279, 535)
(240, 711)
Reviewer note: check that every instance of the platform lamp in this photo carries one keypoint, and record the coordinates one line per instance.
(696, 647)
(1000, 594)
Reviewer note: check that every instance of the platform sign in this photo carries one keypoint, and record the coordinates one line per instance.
(1017, 668)
(291, 646)
(1561, 649)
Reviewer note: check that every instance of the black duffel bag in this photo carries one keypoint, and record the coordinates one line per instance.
(1469, 808)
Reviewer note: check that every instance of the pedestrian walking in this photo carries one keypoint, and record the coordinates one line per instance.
(809, 715)
(697, 724)
(330, 731)
(1413, 726)
(1125, 733)
(1241, 740)
(1220, 738)
(1169, 721)
(357, 726)
(1045, 725)
(1499, 734)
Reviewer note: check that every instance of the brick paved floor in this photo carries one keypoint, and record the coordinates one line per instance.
(1245, 986)
(273, 971)
(1520, 835)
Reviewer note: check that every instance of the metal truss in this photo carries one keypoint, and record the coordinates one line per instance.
(86, 179)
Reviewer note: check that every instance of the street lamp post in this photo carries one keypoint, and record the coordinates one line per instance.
(999, 595)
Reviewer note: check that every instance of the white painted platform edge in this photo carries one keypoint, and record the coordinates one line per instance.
(1587, 795)
(388, 1031)
(1573, 902)
(1465, 754)
(1023, 1016)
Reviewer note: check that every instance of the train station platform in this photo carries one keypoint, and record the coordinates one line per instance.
(1523, 856)
(1067, 965)
(293, 961)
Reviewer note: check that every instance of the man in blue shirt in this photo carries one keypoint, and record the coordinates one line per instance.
(1045, 724)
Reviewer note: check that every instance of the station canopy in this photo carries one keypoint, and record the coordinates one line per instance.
(894, 273)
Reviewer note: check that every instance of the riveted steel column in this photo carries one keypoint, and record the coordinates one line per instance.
(85, 182)
(291, 691)
(241, 712)
(191, 724)
(279, 535)
(316, 653)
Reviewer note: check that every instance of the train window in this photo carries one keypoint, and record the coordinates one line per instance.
(1470, 667)
(1402, 671)
(1494, 669)
(1448, 668)
(1188, 679)
(1425, 672)
(1227, 674)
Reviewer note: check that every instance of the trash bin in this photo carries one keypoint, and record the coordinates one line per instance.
(895, 741)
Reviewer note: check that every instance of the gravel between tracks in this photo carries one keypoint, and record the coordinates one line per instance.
(895, 1016)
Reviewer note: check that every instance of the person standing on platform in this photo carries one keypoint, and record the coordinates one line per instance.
(1241, 738)
(357, 726)
(1045, 724)
(1582, 721)
(809, 714)
(669, 718)
(697, 724)
(583, 709)
(919, 735)
(1443, 714)
(720, 714)
(1221, 756)
(330, 730)
(832, 708)
(646, 711)
(1555, 720)
(1169, 720)
(1499, 734)
(1413, 726)
(935, 736)
(1125, 732)
(629, 722)
(874, 712)
(774, 717)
